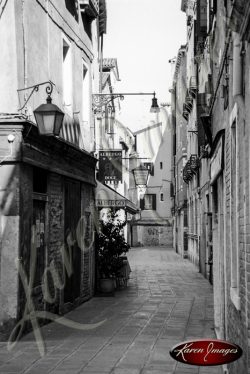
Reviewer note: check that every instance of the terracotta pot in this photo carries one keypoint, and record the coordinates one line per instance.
(107, 285)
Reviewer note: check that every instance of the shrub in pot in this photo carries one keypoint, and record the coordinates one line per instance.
(111, 246)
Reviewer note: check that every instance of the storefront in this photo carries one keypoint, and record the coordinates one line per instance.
(47, 198)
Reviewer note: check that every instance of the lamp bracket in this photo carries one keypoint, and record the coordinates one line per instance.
(35, 88)
(103, 99)
(100, 100)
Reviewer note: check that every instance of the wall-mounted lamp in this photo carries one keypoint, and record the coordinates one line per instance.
(49, 117)
(102, 99)
(11, 138)
(154, 107)
(141, 174)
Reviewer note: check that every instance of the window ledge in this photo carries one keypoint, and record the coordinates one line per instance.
(234, 294)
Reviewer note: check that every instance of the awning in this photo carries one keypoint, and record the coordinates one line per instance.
(106, 197)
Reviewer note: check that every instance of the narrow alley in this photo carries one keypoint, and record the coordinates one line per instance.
(166, 302)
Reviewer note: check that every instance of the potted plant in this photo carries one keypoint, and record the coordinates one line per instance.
(111, 247)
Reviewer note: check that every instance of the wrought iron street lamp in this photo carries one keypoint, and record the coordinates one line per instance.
(141, 174)
(102, 99)
(49, 117)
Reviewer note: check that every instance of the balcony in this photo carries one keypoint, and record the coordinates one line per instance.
(193, 87)
(191, 168)
(187, 106)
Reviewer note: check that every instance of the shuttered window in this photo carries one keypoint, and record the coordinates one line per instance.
(148, 202)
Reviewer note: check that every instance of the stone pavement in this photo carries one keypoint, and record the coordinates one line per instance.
(167, 301)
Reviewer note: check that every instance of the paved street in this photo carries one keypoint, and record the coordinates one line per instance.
(167, 301)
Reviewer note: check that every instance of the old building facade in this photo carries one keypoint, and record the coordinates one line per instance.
(179, 155)
(47, 183)
(217, 178)
(154, 226)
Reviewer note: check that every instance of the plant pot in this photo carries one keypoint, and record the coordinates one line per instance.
(107, 285)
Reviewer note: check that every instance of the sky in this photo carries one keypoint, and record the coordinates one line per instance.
(143, 35)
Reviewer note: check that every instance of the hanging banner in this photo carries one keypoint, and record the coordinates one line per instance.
(110, 166)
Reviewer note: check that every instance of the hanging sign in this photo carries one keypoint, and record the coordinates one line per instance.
(110, 166)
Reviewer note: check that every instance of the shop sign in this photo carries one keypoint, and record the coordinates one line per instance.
(110, 166)
(216, 165)
(109, 203)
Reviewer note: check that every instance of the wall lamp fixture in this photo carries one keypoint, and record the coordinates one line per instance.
(141, 175)
(49, 117)
(102, 99)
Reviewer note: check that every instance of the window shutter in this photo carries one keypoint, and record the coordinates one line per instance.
(152, 170)
(171, 190)
(154, 202)
(142, 204)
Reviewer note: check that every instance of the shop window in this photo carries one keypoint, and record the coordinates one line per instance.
(148, 202)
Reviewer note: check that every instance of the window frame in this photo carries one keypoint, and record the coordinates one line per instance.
(152, 205)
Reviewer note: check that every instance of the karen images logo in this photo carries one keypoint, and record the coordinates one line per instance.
(206, 352)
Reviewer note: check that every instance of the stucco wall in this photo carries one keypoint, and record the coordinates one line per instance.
(9, 241)
(33, 53)
(152, 235)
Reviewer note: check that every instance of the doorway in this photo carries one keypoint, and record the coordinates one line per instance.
(72, 208)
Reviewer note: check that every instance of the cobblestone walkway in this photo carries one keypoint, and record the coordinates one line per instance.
(167, 302)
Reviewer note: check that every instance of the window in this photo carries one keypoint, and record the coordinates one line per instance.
(211, 12)
(39, 180)
(67, 77)
(85, 93)
(149, 202)
(87, 24)
(162, 197)
(150, 167)
(72, 6)
(161, 165)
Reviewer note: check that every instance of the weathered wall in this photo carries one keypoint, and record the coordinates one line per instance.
(9, 242)
(33, 53)
(235, 207)
(151, 236)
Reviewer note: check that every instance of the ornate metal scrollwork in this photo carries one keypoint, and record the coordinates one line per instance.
(100, 100)
(34, 88)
